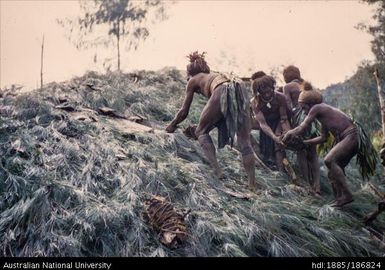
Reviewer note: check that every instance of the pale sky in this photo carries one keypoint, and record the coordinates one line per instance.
(240, 36)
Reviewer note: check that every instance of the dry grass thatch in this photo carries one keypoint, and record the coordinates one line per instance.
(76, 187)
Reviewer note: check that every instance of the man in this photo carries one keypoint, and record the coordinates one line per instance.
(227, 109)
(350, 140)
(270, 110)
(293, 86)
(307, 158)
(254, 122)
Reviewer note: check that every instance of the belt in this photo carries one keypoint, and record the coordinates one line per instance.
(348, 131)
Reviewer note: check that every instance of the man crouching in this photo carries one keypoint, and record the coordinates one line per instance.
(227, 109)
(350, 140)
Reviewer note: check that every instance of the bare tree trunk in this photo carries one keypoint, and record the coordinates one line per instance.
(118, 45)
(41, 64)
(381, 97)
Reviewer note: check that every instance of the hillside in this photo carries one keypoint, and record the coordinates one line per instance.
(73, 181)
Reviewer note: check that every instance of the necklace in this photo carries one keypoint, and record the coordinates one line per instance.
(268, 101)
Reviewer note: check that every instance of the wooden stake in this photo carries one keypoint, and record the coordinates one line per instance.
(381, 97)
(41, 64)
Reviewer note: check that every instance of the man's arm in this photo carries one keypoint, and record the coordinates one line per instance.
(319, 139)
(285, 126)
(183, 112)
(287, 89)
(264, 126)
(283, 116)
(303, 126)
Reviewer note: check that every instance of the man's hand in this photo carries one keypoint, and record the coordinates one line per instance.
(171, 128)
(306, 143)
(296, 143)
(278, 140)
(288, 136)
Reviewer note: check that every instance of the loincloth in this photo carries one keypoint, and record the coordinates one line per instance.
(344, 134)
(234, 105)
(217, 81)
(367, 156)
(267, 144)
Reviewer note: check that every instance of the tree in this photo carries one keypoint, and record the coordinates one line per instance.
(357, 96)
(378, 48)
(377, 30)
(381, 97)
(124, 20)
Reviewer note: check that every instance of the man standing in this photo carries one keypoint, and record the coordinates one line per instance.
(270, 110)
(307, 158)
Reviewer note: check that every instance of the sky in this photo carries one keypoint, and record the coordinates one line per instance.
(239, 36)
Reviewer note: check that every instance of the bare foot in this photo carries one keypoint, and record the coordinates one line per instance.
(315, 192)
(342, 201)
(294, 181)
(254, 187)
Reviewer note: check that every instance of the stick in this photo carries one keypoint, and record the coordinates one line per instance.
(41, 64)
(377, 192)
(381, 97)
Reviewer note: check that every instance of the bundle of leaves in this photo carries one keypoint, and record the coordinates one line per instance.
(70, 187)
(367, 156)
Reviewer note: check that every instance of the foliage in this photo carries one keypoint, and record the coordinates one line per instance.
(357, 97)
(367, 157)
(118, 19)
(377, 30)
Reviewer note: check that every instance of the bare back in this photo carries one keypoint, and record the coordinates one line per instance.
(332, 119)
(291, 92)
(201, 82)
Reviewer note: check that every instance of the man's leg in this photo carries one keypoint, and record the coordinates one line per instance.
(303, 165)
(255, 145)
(279, 151)
(314, 169)
(335, 186)
(279, 156)
(249, 158)
(209, 150)
(336, 160)
(210, 115)
(256, 150)
(345, 195)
